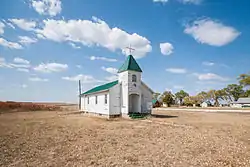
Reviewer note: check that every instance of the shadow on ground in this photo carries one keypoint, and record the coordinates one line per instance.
(73, 113)
(163, 116)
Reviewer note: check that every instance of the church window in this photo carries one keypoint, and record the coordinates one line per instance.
(106, 99)
(133, 78)
(95, 99)
(88, 100)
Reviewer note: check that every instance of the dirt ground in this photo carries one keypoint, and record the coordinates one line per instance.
(178, 139)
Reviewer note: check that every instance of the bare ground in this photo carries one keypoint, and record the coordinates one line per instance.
(167, 139)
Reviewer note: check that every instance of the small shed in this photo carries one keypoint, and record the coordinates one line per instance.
(241, 103)
(156, 103)
(204, 104)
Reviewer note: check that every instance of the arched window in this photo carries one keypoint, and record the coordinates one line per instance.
(134, 78)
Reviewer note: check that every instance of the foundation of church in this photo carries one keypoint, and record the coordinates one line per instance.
(92, 114)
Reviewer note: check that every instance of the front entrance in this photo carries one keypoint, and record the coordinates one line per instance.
(134, 103)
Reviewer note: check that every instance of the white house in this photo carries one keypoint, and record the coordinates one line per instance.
(241, 102)
(204, 104)
(122, 97)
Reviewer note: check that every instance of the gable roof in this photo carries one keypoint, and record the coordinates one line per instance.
(154, 101)
(130, 64)
(243, 101)
(101, 88)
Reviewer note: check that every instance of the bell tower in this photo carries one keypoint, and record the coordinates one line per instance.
(130, 80)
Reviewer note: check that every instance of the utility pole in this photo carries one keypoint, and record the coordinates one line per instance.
(80, 92)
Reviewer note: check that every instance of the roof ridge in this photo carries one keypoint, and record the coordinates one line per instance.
(130, 64)
(99, 88)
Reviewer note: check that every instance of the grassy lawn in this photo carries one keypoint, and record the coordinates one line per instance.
(173, 138)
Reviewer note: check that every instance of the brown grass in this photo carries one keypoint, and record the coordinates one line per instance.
(177, 139)
(11, 106)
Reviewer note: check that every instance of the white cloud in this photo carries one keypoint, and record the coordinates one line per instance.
(110, 70)
(26, 40)
(1, 28)
(47, 7)
(102, 58)
(111, 78)
(24, 24)
(176, 70)
(166, 48)
(82, 77)
(211, 32)
(211, 82)
(51, 67)
(196, 2)
(178, 87)
(224, 65)
(19, 65)
(10, 25)
(162, 1)
(24, 86)
(40, 36)
(207, 63)
(23, 70)
(11, 45)
(210, 76)
(4, 64)
(168, 89)
(78, 66)
(94, 33)
(74, 46)
(20, 60)
(37, 79)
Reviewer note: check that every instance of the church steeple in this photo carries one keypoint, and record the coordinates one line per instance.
(130, 64)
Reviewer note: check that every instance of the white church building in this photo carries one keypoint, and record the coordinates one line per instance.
(122, 97)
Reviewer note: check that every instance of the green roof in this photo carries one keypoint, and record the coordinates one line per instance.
(130, 64)
(154, 101)
(101, 87)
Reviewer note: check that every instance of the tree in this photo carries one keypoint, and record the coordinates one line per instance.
(246, 94)
(156, 95)
(181, 95)
(203, 96)
(187, 101)
(191, 100)
(167, 97)
(217, 95)
(244, 79)
(235, 91)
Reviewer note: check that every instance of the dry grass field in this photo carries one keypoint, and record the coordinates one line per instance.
(178, 139)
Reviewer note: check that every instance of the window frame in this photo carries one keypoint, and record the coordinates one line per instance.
(134, 78)
(106, 99)
(96, 99)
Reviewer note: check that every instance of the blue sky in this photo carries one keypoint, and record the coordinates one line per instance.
(47, 45)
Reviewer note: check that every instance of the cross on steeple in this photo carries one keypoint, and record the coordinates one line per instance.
(130, 49)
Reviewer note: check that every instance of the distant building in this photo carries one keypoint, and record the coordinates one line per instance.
(156, 103)
(241, 103)
(204, 104)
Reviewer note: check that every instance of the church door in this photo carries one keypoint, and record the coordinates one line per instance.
(134, 104)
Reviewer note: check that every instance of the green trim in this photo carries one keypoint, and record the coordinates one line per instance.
(130, 64)
(101, 87)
